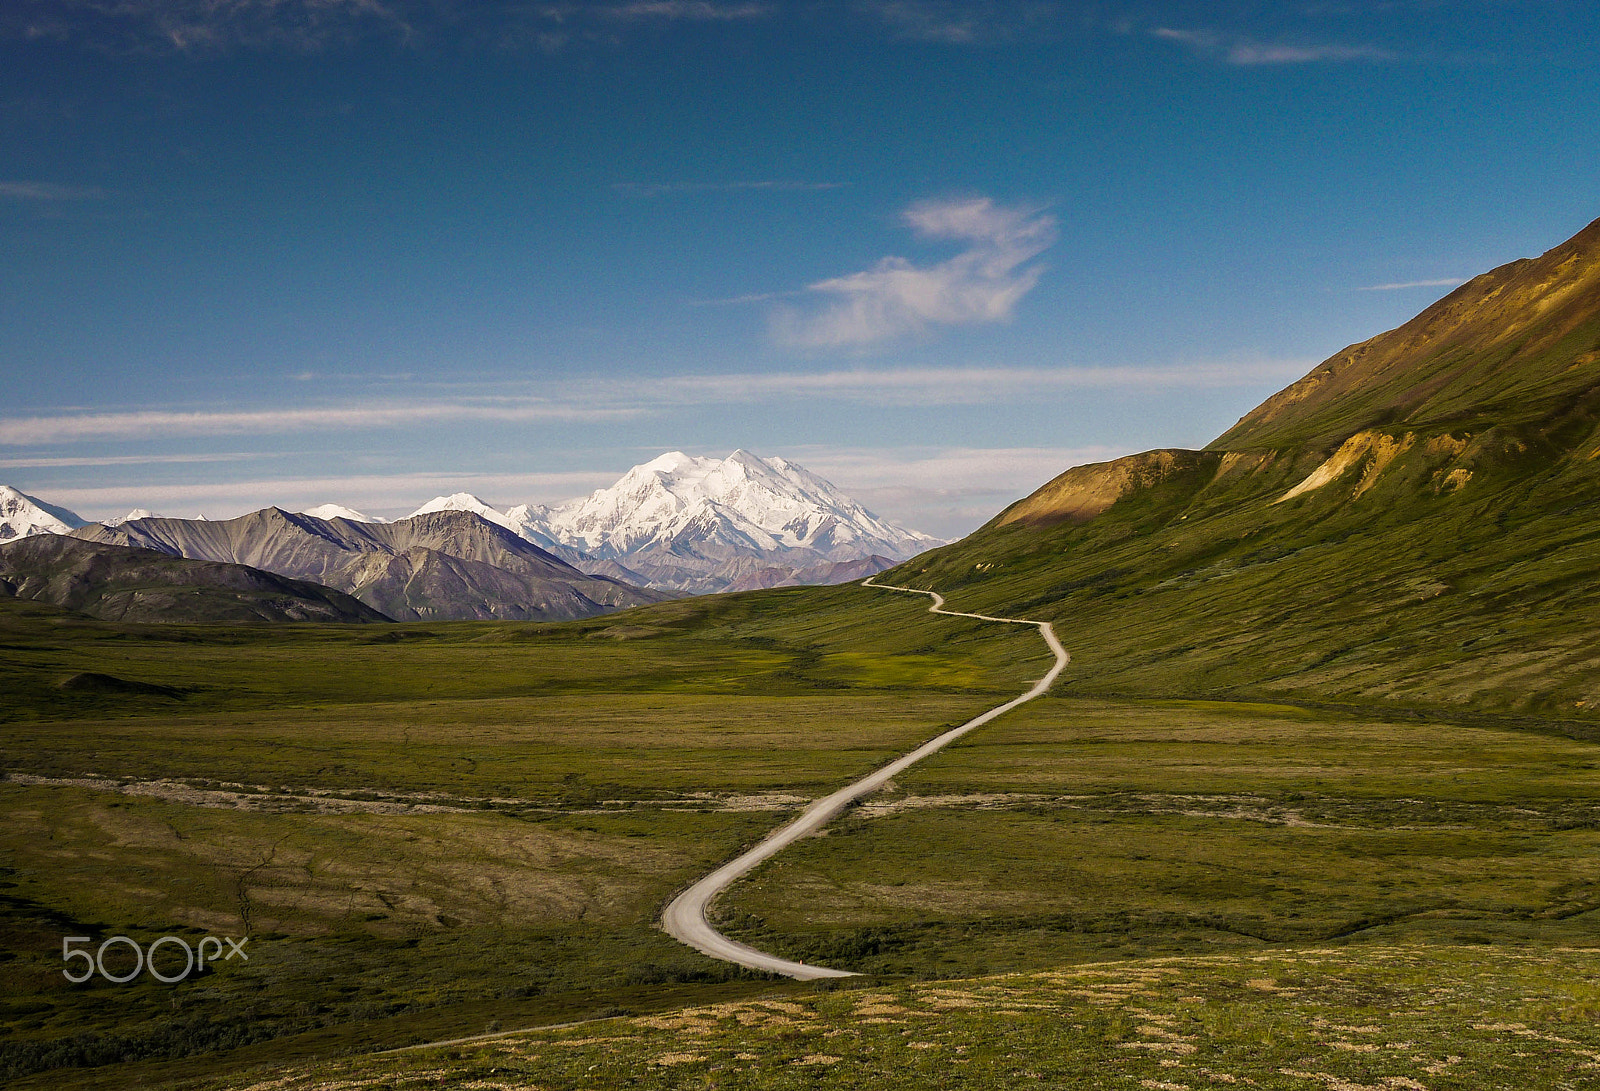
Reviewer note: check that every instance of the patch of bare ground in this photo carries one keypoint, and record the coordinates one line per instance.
(1318, 813)
(280, 800)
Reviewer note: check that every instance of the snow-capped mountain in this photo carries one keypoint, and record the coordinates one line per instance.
(339, 511)
(686, 523)
(678, 523)
(136, 513)
(22, 515)
(742, 502)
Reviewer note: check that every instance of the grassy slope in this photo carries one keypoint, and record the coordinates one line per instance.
(1414, 593)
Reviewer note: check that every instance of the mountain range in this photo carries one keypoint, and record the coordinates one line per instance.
(447, 565)
(676, 525)
(1414, 521)
(696, 525)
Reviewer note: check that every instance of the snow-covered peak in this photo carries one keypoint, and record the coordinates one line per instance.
(465, 501)
(22, 515)
(742, 502)
(339, 511)
(525, 521)
(136, 513)
(674, 463)
(456, 501)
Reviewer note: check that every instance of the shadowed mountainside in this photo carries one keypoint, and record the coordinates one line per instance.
(1414, 521)
(445, 565)
(117, 583)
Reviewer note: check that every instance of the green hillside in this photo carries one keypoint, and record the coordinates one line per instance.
(1413, 522)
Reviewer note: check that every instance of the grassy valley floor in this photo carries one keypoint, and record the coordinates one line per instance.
(432, 832)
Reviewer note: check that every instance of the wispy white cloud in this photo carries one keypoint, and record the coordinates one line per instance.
(126, 460)
(694, 10)
(962, 22)
(983, 283)
(959, 385)
(199, 26)
(49, 191)
(1246, 52)
(1253, 53)
(596, 399)
(158, 424)
(1443, 282)
(658, 189)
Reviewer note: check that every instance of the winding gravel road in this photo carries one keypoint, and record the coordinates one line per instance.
(685, 918)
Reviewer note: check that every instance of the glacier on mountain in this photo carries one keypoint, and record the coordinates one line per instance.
(22, 515)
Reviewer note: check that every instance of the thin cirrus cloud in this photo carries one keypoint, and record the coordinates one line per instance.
(600, 400)
(1244, 52)
(1442, 282)
(191, 26)
(767, 185)
(962, 22)
(895, 298)
(127, 460)
(929, 386)
(49, 191)
(154, 424)
(692, 10)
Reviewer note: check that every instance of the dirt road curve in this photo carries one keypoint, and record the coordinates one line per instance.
(685, 918)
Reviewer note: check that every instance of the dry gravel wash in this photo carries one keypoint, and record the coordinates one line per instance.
(685, 917)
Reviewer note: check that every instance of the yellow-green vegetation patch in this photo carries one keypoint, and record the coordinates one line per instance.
(1371, 1019)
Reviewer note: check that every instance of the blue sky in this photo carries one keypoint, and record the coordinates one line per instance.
(367, 251)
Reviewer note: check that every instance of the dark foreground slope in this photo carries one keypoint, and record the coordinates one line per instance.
(446, 565)
(1414, 521)
(115, 583)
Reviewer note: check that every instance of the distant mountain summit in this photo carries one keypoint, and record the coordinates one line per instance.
(695, 524)
(22, 515)
(321, 511)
